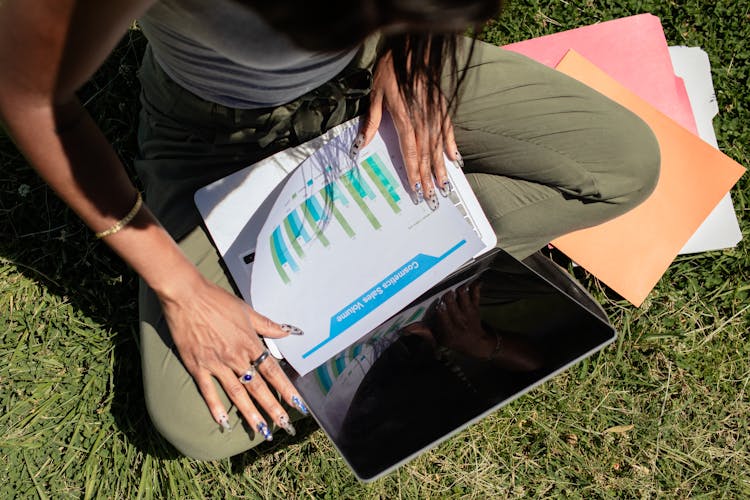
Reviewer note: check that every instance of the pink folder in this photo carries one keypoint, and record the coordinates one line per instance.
(632, 50)
(630, 253)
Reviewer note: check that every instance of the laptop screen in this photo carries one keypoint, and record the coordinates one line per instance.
(475, 342)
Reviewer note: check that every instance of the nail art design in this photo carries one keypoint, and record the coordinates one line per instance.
(224, 422)
(459, 160)
(297, 402)
(292, 330)
(285, 424)
(359, 141)
(418, 192)
(432, 201)
(265, 431)
(446, 187)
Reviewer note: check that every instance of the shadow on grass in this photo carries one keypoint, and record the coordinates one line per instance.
(61, 255)
(49, 245)
(104, 290)
(305, 428)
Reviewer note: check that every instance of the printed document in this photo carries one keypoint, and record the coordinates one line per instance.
(346, 235)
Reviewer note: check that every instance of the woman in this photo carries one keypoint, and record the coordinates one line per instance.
(226, 83)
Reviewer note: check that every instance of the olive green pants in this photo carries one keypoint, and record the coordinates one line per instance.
(544, 154)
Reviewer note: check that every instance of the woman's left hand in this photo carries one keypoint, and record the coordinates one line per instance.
(455, 323)
(422, 144)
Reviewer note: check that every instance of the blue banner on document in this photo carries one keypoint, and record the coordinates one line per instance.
(378, 295)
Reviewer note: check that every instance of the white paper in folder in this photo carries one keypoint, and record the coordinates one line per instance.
(720, 229)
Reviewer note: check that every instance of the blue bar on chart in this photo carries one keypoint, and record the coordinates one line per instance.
(293, 235)
(327, 373)
(333, 195)
(281, 256)
(324, 379)
(314, 207)
(334, 192)
(297, 227)
(356, 187)
(360, 184)
(340, 364)
(313, 214)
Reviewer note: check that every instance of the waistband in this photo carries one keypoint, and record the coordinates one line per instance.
(295, 122)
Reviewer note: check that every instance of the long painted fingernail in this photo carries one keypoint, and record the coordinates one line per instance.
(418, 193)
(224, 422)
(265, 431)
(292, 330)
(432, 201)
(285, 424)
(297, 402)
(459, 159)
(359, 141)
(446, 187)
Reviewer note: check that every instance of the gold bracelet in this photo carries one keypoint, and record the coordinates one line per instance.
(117, 226)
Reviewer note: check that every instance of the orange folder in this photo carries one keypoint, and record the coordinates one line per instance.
(630, 253)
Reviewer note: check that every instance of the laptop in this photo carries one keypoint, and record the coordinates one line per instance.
(375, 397)
(399, 391)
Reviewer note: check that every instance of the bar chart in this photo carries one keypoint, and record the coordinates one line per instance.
(340, 205)
(345, 233)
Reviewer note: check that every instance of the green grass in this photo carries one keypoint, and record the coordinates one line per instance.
(662, 412)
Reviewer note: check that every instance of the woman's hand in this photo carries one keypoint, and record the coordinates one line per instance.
(216, 335)
(422, 144)
(456, 323)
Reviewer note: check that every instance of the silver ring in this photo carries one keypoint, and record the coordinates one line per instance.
(246, 377)
(261, 358)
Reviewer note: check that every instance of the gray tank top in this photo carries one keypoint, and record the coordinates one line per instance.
(225, 53)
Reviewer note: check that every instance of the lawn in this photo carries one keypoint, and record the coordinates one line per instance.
(661, 412)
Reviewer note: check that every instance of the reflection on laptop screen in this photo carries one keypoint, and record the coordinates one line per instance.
(475, 342)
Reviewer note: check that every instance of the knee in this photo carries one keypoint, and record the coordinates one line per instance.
(641, 163)
(184, 428)
(180, 415)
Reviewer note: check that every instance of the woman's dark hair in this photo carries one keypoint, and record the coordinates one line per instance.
(424, 42)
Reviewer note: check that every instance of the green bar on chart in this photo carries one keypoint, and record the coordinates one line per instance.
(326, 193)
(293, 238)
(312, 215)
(277, 262)
(382, 183)
(358, 194)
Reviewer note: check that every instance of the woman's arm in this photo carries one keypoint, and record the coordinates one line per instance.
(48, 49)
